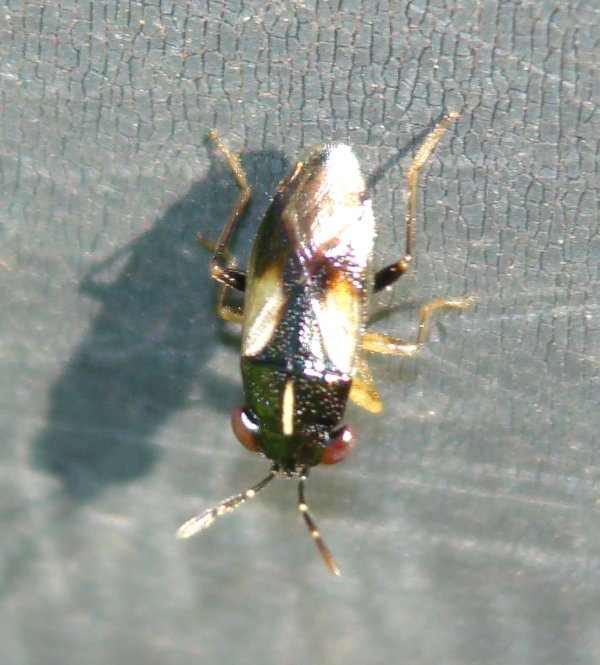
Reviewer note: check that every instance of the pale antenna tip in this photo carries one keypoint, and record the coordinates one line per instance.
(196, 524)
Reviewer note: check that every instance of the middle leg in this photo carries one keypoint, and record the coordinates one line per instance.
(375, 342)
(227, 312)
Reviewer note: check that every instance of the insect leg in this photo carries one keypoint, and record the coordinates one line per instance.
(220, 268)
(363, 391)
(226, 312)
(391, 273)
(375, 342)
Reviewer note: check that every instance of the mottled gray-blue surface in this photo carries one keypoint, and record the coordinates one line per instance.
(467, 523)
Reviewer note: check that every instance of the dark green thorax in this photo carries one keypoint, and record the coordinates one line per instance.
(319, 404)
(295, 355)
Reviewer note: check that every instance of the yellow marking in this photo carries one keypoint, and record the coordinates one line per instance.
(265, 302)
(287, 408)
(364, 394)
(339, 316)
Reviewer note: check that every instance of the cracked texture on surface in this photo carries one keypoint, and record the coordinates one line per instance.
(466, 523)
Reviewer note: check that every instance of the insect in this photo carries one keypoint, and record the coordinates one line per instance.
(306, 293)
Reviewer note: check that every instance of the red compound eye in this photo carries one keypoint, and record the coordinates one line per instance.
(245, 429)
(342, 443)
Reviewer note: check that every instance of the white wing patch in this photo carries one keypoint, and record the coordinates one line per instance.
(344, 231)
(339, 315)
(263, 308)
(346, 225)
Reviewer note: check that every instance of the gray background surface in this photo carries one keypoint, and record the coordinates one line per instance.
(467, 523)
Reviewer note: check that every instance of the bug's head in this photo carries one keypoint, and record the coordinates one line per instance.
(296, 449)
(296, 427)
(293, 415)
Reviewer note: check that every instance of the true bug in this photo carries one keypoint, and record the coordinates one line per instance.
(306, 293)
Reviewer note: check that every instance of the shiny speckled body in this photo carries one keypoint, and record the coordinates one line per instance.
(305, 306)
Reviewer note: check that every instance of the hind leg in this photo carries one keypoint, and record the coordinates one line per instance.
(388, 275)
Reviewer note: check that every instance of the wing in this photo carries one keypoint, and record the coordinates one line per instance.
(317, 236)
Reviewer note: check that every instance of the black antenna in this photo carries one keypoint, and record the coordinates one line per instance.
(205, 519)
(324, 551)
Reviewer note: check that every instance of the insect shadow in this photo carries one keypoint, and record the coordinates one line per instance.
(147, 344)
